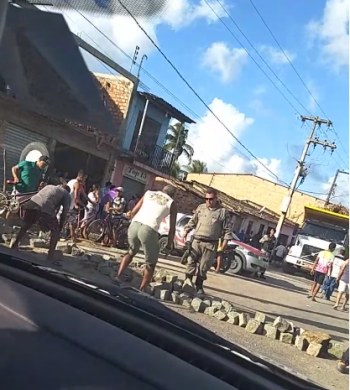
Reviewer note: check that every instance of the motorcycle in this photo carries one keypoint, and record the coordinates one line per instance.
(228, 256)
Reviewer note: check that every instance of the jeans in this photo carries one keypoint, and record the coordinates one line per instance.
(329, 286)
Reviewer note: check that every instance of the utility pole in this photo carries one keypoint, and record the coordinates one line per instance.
(334, 184)
(300, 167)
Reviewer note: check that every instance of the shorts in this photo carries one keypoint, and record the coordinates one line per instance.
(34, 215)
(72, 217)
(142, 235)
(343, 287)
(319, 277)
(116, 220)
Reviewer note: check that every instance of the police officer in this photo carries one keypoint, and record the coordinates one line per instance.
(210, 222)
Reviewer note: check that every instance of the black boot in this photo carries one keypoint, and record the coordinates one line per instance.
(199, 285)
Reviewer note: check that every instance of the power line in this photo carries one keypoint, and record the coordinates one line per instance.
(192, 89)
(149, 75)
(260, 56)
(295, 70)
(268, 66)
(195, 92)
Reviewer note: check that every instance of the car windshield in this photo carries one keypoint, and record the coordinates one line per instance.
(181, 93)
(323, 232)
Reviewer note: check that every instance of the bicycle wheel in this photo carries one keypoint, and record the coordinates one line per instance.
(3, 202)
(96, 230)
(122, 237)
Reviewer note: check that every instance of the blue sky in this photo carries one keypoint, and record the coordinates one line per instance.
(314, 35)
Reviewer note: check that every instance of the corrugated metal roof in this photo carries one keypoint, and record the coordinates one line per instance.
(232, 204)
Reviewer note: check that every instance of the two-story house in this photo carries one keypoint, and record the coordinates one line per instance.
(133, 156)
(146, 128)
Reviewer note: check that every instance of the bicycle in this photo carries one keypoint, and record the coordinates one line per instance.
(79, 230)
(101, 230)
(12, 202)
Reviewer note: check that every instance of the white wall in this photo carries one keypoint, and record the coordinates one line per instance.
(288, 231)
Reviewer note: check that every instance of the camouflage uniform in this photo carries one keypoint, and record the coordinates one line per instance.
(209, 224)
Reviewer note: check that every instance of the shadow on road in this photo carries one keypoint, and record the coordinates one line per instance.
(271, 281)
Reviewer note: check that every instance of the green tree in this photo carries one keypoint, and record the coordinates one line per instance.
(175, 169)
(197, 166)
(176, 141)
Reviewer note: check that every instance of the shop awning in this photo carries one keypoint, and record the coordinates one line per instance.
(42, 64)
(315, 213)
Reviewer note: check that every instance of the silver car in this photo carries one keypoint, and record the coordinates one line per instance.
(247, 258)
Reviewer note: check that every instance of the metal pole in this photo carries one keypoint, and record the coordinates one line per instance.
(288, 199)
(142, 123)
(3, 13)
(332, 187)
(144, 57)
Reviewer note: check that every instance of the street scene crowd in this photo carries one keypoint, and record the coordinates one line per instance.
(60, 205)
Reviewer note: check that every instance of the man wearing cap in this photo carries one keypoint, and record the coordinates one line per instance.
(116, 206)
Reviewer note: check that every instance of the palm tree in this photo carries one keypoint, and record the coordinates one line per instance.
(175, 169)
(197, 166)
(176, 141)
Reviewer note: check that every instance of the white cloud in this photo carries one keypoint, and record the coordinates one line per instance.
(275, 55)
(180, 13)
(225, 61)
(331, 33)
(125, 33)
(214, 145)
(341, 193)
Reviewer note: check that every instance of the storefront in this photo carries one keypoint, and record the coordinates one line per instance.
(26, 135)
(133, 179)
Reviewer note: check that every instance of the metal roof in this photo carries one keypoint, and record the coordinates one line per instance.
(167, 107)
(41, 63)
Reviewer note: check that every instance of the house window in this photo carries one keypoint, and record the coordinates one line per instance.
(261, 228)
(149, 135)
(249, 227)
(283, 239)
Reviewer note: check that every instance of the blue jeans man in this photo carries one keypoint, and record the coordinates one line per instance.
(329, 286)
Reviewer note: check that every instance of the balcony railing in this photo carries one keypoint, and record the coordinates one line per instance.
(154, 156)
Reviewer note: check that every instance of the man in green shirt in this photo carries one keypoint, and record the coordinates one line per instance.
(28, 174)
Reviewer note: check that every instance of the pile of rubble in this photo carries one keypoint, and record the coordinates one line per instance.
(168, 287)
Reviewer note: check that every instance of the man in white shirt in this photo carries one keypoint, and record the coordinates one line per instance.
(146, 217)
(330, 282)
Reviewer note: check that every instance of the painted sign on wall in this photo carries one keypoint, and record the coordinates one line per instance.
(135, 174)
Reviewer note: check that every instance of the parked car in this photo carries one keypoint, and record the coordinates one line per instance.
(247, 258)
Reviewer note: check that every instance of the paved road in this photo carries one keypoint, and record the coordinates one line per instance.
(279, 294)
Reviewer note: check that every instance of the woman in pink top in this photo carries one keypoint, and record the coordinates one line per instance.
(321, 267)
